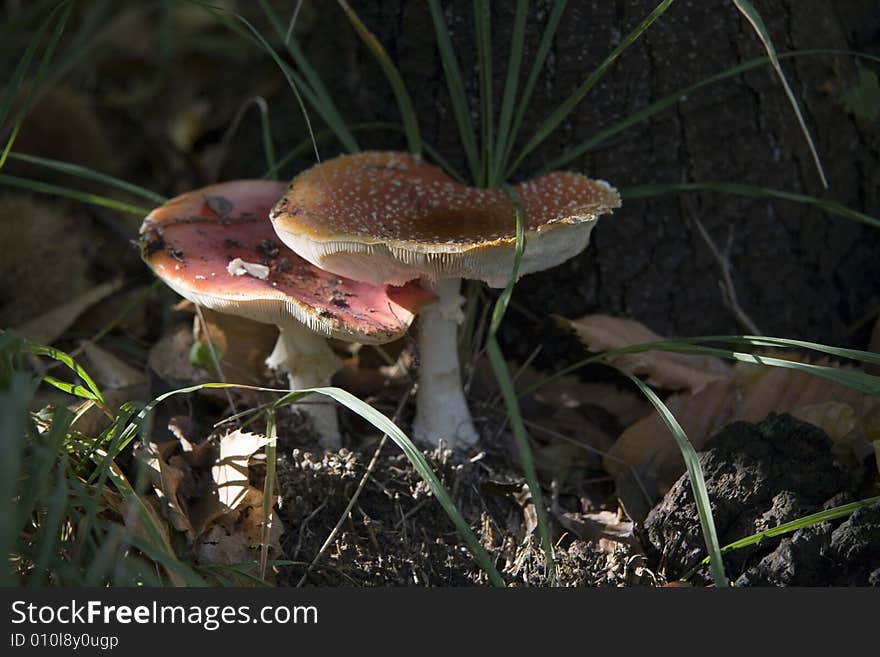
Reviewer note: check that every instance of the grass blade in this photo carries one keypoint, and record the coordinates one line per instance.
(89, 174)
(507, 102)
(678, 96)
(15, 425)
(268, 489)
(56, 504)
(70, 388)
(567, 107)
(454, 83)
(747, 9)
(537, 66)
(22, 67)
(867, 383)
(38, 80)
(740, 189)
(861, 381)
(266, 129)
(695, 474)
(520, 247)
(404, 102)
(807, 521)
(291, 77)
(75, 194)
(765, 341)
(293, 80)
(521, 437)
(40, 500)
(313, 84)
(511, 402)
(59, 356)
(483, 19)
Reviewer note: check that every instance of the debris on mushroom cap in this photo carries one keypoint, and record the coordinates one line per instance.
(390, 217)
(198, 242)
(238, 267)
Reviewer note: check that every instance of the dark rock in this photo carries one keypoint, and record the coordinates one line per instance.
(759, 476)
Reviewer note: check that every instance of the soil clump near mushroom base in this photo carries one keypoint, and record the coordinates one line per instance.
(397, 535)
(759, 476)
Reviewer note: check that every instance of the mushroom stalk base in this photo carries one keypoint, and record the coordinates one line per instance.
(309, 363)
(442, 411)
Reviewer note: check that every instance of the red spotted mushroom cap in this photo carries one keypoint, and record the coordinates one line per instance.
(216, 247)
(387, 217)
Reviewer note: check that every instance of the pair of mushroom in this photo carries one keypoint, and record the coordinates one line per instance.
(353, 249)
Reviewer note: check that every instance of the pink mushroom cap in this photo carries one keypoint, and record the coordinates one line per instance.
(216, 247)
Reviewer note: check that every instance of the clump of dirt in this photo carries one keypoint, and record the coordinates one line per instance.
(398, 535)
(759, 476)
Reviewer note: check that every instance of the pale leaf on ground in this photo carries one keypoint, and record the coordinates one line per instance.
(231, 471)
(658, 368)
(523, 498)
(196, 486)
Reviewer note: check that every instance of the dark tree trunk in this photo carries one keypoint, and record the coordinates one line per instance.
(799, 272)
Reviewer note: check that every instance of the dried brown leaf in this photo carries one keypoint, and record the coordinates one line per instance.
(169, 358)
(604, 527)
(134, 522)
(236, 536)
(660, 369)
(557, 461)
(750, 395)
(109, 371)
(51, 325)
(166, 479)
(849, 429)
(243, 344)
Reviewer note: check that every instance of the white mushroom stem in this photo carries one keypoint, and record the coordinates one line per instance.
(441, 409)
(309, 363)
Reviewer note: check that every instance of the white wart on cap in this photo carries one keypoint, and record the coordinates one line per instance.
(388, 217)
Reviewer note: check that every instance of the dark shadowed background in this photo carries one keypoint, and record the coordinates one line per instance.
(798, 272)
